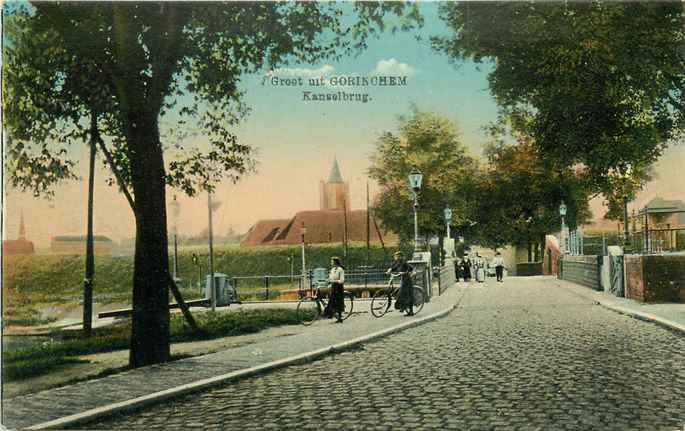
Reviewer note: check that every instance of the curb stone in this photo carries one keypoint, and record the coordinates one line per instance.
(645, 317)
(167, 394)
(639, 315)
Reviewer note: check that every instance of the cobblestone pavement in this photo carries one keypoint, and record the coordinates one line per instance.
(49, 405)
(519, 355)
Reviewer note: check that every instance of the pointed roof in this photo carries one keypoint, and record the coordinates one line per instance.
(335, 176)
(661, 205)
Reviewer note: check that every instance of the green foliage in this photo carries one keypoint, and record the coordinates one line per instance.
(519, 197)
(598, 83)
(65, 347)
(128, 62)
(432, 144)
(128, 65)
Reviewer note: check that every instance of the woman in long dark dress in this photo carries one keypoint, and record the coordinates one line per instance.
(336, 278)
(466, 262)
(404, 299)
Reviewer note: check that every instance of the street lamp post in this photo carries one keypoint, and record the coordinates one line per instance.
(562, 213)
(175, 211)
(626, 179)
(303, 232)
(212, 287)
(415, 179)
(448, 220)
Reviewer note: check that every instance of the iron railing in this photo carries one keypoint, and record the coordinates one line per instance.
(644, 241)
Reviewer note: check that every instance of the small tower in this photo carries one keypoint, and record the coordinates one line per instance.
(22, 228)
(335, 193)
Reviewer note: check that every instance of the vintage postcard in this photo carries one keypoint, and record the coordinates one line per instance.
(343, 215)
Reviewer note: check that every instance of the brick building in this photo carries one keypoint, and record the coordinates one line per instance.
(76, 244)
(19, 246)
(330, 224)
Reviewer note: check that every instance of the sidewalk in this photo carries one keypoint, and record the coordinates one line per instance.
(670, 315)
(84, 401)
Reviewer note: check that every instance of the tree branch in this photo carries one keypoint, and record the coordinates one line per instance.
(117, 175)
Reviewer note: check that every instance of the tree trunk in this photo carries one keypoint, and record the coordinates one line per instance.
(150, 326)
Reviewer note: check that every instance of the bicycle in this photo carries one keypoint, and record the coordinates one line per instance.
(382, 299)
(310, 308)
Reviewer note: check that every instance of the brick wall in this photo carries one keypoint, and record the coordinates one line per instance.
(634, 277)
(551, 257)
(657, 278)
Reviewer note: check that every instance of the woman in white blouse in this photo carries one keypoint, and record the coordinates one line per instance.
(336, 278)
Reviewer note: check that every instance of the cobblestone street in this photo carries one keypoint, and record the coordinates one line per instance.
(524, 354)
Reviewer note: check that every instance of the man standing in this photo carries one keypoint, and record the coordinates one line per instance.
(498, 262)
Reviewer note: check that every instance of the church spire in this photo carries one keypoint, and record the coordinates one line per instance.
(22, 228)
(335, 176)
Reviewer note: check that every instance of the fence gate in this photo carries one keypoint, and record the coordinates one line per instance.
(616, 275)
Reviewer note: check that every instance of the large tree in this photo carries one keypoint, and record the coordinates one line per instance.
(432, 144)
(132, 64)
(603, 82)
(519, 195)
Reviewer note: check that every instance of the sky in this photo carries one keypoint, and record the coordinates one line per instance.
(297, 141)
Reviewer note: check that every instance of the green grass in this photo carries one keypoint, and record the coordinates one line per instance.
(34, 282)
(66, 346)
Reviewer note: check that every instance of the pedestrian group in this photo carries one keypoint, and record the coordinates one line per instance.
(467, 268)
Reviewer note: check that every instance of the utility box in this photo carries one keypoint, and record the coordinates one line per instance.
(421, 262)
(225, 292)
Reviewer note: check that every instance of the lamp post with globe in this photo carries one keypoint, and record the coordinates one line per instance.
(415, 180)
(562, 213)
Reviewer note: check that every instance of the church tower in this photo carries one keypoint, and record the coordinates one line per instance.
(22, 228)
(335, 193)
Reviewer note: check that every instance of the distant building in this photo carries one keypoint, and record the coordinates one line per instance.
(335, 194)
(19, 246)
(330, 224)
(660, 213)
(662, 224)
(76, 244)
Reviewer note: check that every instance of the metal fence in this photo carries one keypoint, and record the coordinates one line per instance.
(645, 241)
(363, 282)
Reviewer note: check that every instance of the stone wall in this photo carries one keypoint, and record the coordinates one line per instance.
(655, 278)
(582, 270)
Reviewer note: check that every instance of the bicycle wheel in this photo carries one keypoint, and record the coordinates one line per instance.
(380, 303)
(308, 310)
(348, 299)
(419, 298)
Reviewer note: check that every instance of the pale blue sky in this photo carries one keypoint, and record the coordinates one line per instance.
(297, 142)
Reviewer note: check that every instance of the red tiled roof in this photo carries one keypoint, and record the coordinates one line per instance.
(323, 226)
(263, 232)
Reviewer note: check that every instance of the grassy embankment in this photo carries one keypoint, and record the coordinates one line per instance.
(65, 347)
(32, 283)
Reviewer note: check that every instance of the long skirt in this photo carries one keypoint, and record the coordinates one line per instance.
(404, 299)
(336, 304)
(480, 274)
